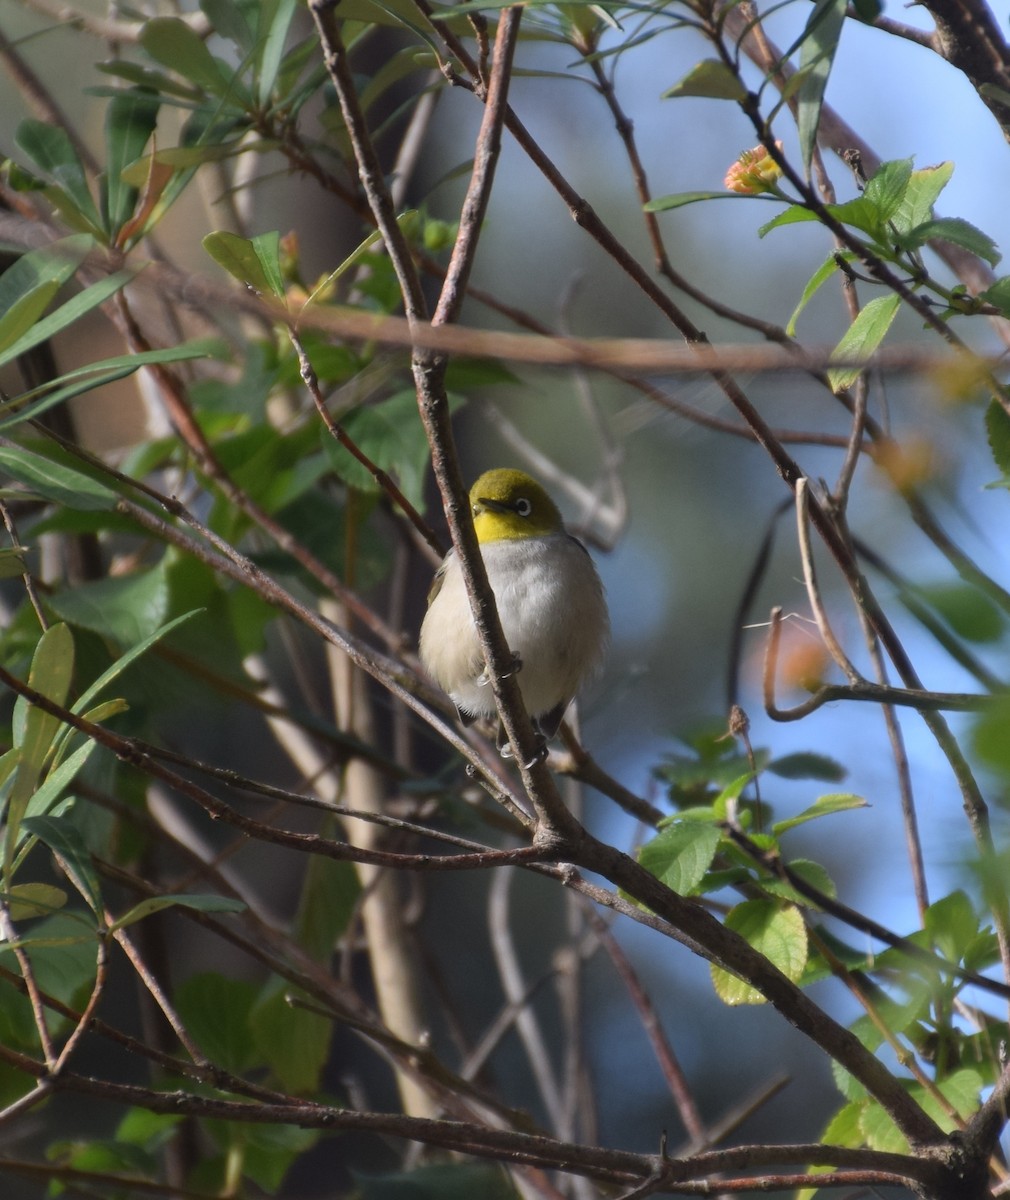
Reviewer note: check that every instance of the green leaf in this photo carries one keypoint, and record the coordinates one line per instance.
(154, 904)
(63, 838)
(294, 1041)
(174, 44)
(998, 295)
(795, 214)
(952, 924)
(775, 930)
(680, 199)
(254, 262)
(127, 608)
(711, 79)
(810, 872)
(216, 1012)
(997, 427)
(922, 192)
(330, 892)
(887, 189)
(29, 900)
(820, 276)
(20, 316)
(968, 611)
(228, 20)
(130, 119)
(957, 231)
(31, 281)
(273, 48)
(807, 765)
(990, 735)
(681, 854)
(51, 674)
(862, 338)
(820, 41)
(98, 374)
(55, 482)
(823, 806)
(52, 151)
(67, 314)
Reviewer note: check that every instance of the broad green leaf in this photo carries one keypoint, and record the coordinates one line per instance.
(52, 151)
(775, 930)
(924, 188)
(55, 482)
(171, 42)
(12, 562)
(63, 950)
(952, 923)
(957, 231)
(252, 261)
(681, 854)
(75, 308)
(997, 427)
(216, 1012)
(294, 1041)
(823, 806)
(968, 611)
(999, 295)
(130, 119)
(842, 1130)
(810, 872)
(807, 765)
(711, 79)
(30, 900)
(330, 892)
(63, 838)
(862, 338)
(820, 41)
(154, 904)
(127, 608)
(887, 188)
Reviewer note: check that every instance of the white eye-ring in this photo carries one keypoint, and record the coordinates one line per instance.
(523, 507)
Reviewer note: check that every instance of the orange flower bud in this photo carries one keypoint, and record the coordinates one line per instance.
(755, 171)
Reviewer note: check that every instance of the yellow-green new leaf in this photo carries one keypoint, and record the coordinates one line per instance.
(773, 929)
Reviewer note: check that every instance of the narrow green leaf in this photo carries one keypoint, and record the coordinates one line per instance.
(681, 854)
(680, 199)
(75, 308)
(249, 261)
(130, 119)
(55, 482)
(52, 151)
(22, 314)
(793, 215)
(96, 375)
(171, 42)
(820, 42)
(12, 562)
(823, 806)
(66, 843)
(775, 930)
(711, 79)
(862, 338)
(273, 48)
(51, 672)
(154, 904)
(228, 20)
(820, 276)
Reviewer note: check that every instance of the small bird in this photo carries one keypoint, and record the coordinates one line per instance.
(549, 598)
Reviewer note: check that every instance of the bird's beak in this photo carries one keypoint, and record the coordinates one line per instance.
(483, 504)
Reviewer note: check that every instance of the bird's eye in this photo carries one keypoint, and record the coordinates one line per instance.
(523, 507)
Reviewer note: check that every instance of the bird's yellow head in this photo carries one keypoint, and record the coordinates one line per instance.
(508, 504)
